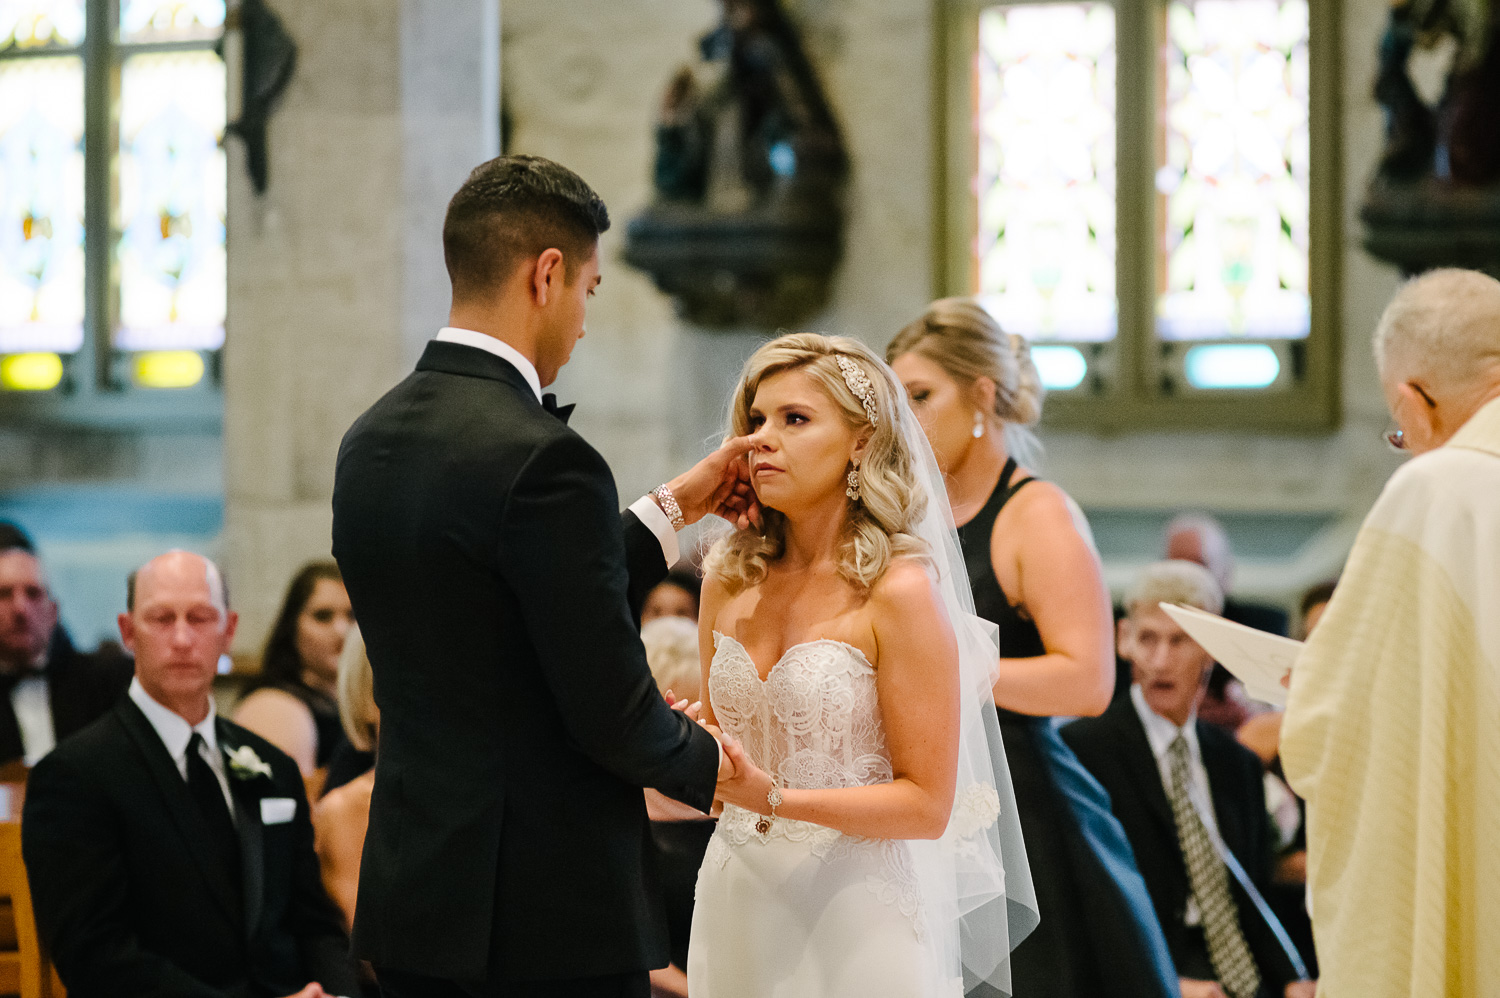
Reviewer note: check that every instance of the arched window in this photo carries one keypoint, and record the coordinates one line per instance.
(112, 206)
(1148, 191)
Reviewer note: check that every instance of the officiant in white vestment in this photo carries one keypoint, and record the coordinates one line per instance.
(1392, 732)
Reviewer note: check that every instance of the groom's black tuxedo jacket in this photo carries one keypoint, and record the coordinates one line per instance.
(130, 894)
(482, 545)
(1114, 747)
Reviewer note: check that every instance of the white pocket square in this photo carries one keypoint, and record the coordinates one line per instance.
(277, 810)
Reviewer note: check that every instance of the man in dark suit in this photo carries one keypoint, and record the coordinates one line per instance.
(1182, 788)
(494, 579)
(48, 689)
(170, 852)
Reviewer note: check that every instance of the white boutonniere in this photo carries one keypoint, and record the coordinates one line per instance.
(245, 764)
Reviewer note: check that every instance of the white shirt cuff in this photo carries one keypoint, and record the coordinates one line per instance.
(650, 514)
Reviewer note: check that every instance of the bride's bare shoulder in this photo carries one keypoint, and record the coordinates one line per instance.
(907, 585)
(715, 596)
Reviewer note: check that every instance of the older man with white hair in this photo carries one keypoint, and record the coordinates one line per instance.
(1183, 789)
(1392, 732)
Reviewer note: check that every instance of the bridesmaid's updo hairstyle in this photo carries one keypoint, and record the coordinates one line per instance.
(891, 504)
(960, 336)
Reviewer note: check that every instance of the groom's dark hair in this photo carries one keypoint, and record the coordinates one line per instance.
(513, 209)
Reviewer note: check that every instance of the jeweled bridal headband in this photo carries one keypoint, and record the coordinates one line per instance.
(859, 384)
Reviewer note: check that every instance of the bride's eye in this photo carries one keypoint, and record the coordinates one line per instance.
(795, 419)
(919, 396)
(756, 422)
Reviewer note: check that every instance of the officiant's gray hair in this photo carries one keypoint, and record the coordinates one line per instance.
(1186, 583)
(1444, 325)
(882, 522)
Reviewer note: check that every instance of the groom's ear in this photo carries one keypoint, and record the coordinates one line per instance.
(546, 277)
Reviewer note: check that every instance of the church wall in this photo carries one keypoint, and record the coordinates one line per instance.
(583, 85)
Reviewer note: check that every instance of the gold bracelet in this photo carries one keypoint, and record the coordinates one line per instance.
(774, 799)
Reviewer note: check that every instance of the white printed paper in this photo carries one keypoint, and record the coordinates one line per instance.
(1257, 659)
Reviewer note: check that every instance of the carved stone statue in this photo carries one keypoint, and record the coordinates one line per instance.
(1435, 198)
(746, 226)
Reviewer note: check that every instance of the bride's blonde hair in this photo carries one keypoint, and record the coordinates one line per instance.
(881, 522)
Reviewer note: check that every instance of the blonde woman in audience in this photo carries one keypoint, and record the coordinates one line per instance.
(680, 832)
(340, 818)
(1035, 574)
(293, 703)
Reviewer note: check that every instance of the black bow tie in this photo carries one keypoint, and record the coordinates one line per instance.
(562, 412)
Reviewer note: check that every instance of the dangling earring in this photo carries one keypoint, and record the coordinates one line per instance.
(978, 425)
(853, 490)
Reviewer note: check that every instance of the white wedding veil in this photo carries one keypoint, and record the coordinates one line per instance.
(976, 874)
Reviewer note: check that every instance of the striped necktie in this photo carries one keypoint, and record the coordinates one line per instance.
(1221, 922)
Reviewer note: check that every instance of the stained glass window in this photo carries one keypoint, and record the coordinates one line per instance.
(29, 24)
(172, 202)
(1046, 179)
(41, 204)
(1233, 219)
(170, 20)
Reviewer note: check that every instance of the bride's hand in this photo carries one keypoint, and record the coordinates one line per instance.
(749, 786)
(690, 709)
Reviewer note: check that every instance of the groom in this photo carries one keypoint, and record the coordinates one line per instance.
(495, 583)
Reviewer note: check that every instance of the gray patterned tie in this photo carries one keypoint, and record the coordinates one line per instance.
(1221, 923)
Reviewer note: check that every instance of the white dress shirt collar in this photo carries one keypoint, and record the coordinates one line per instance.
(501, 349)
(172, 729)
(1160, 731)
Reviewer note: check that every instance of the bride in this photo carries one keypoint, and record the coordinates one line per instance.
(870, 826)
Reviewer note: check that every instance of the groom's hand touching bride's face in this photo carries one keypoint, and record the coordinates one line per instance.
(719, 484)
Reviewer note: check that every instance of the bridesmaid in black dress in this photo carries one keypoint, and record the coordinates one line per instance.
(1035, 574)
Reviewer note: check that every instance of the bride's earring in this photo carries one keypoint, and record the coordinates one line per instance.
(978, 425)
(853, 490)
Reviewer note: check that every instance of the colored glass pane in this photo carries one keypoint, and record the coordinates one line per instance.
(1046, 181)
(172, 202)
(170, 20)
(26, 24)
(1233, 218)
(41, 204)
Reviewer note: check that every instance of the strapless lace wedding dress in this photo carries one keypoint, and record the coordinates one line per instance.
(804, 911)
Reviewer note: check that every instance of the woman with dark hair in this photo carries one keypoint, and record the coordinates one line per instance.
(293, 703)
(675, 596)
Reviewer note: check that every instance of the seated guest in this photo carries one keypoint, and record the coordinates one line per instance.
(343, 815)
(1176, 784)
(1202, 539)
(50, 689)
(293, 704)
(169, 850)
(674, 596)
(681, 833)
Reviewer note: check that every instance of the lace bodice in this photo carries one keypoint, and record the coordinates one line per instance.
(814, 721)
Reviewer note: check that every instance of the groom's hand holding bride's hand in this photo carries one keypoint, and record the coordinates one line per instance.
(746, 785)
(719, 484)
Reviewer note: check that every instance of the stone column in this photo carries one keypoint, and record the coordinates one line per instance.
(336, 274)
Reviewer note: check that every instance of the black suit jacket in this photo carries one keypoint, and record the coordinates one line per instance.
(81, 688)
(1114, 748)
(129, 896)
(482, 545)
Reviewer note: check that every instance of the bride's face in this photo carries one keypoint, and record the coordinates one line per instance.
(802, 444)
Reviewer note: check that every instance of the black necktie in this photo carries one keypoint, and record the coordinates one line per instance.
(562, 412)
(208, 794)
